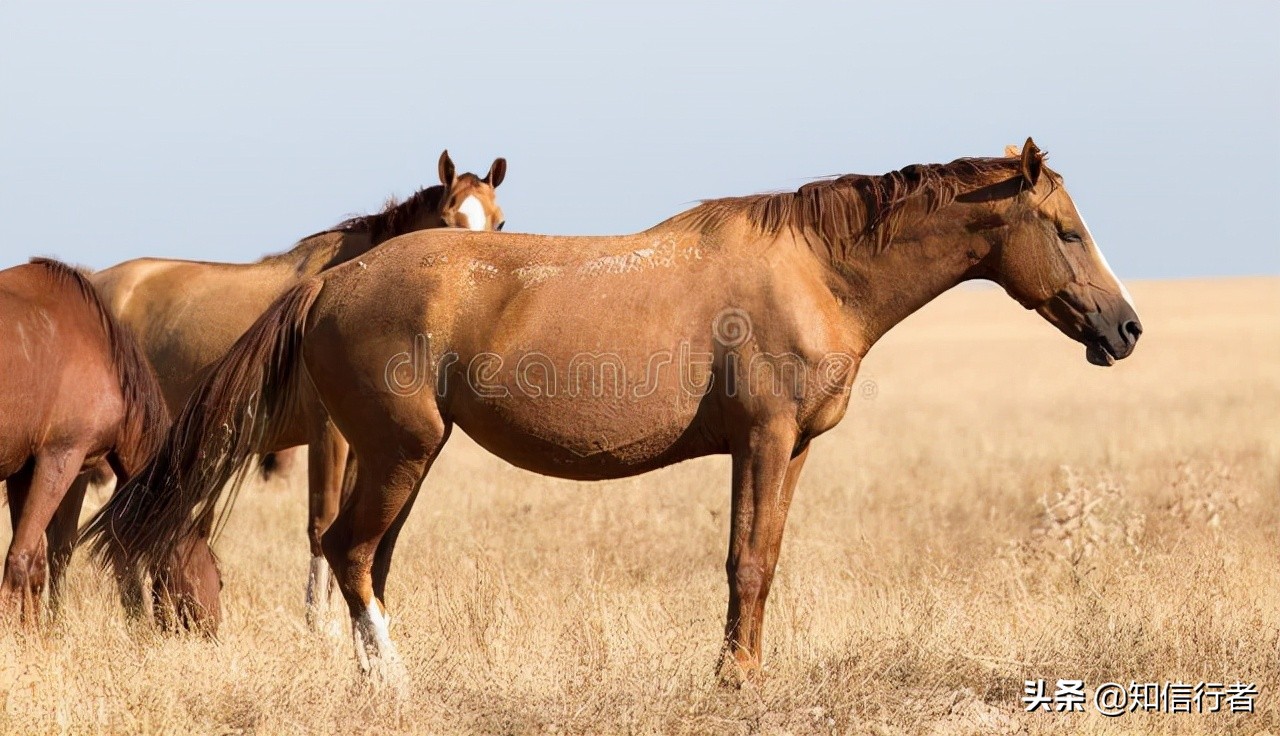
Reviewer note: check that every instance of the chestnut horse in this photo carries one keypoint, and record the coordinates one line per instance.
(187, 314)
(735, 327)
(76, 391)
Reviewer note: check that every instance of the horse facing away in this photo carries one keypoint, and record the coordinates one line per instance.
(187, 314)
(76, 391)
(735, 327)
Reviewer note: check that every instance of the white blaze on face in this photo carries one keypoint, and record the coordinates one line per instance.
(1124, 292)
(474, 212)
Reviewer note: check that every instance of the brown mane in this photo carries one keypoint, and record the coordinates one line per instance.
(394, 217)
(854, 208)
(146, 419)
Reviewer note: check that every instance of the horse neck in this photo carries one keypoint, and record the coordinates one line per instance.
(356, 242)
(925, 257)
(333, 247)
(424, 216)
(323, 250)
(419, 212)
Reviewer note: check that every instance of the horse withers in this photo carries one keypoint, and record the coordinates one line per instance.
(75, 391)
(736, 327)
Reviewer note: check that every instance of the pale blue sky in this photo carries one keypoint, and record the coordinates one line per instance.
(228, 130)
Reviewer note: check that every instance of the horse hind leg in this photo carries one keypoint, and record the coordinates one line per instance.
(388, 477)
(128, 582)
(61, 536)
(382, 558)
(25, 566)
(17, 487)
(326, 457)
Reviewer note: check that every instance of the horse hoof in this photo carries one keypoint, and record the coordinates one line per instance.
(735, 675)
(387, 674)
(327, 626)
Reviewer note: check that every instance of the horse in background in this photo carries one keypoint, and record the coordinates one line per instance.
(736, 327)
(75, 391)
(187, 314)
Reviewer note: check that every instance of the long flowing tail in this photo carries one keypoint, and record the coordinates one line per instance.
(221, 427)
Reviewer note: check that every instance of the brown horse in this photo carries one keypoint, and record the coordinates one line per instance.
(736, 327)
(76, 391)
(187, 314)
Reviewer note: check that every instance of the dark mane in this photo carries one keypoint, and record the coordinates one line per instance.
(395, 218)
(146, 418)
(854, 208)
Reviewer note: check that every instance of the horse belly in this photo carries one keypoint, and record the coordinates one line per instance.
(584, 438)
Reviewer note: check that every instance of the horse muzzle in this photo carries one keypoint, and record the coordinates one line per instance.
(1108, 328)
(1111, 338)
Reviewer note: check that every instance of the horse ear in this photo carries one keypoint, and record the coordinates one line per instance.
(446, 169)
(1012, 151)
(1032, 163)
(497, 172)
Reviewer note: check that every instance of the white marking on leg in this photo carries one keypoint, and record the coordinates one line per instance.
(476, 219)
(318, 590)
(1124, 292)
(376, 654)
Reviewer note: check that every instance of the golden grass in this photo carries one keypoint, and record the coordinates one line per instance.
(998, 511)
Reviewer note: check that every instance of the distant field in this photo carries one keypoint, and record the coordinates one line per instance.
(993, 509)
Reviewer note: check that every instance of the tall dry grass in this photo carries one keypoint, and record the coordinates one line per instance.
(998, 511)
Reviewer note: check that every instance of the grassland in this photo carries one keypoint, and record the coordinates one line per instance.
(993, 509)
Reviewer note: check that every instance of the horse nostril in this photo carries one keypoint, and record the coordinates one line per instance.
(1132, 329)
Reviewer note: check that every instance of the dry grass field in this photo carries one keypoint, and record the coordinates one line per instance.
(993, 509)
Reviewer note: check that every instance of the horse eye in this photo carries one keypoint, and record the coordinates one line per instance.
(1071, 237)
(500, 225)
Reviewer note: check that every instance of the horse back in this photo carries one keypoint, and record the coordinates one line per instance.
(187, 314)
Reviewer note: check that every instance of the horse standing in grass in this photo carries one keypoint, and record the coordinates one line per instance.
(187, 314)
(735, 327)
(75, 391)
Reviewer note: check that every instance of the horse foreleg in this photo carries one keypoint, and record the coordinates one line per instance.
(326, 458)
(61, 536)
(765, 472)
(25, 566)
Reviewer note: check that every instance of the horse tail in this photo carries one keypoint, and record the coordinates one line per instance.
(146, 417)
(222, 426)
